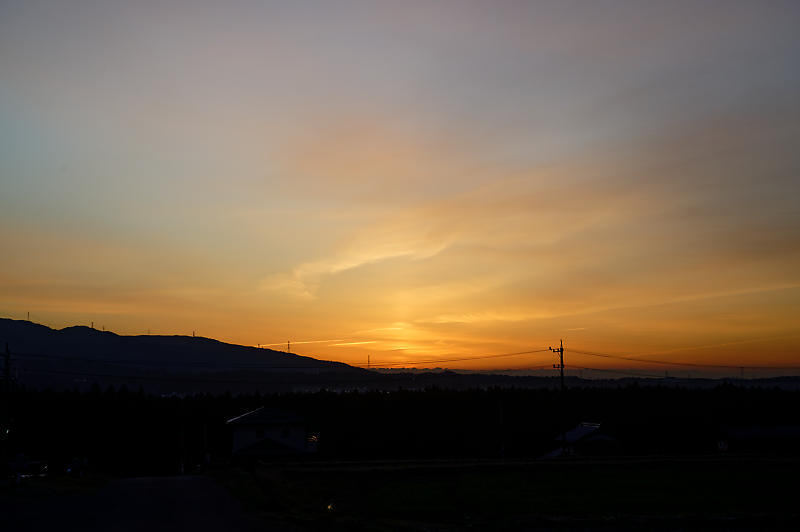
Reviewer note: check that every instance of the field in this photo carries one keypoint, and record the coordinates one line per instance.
(723, 458)
(740, 493)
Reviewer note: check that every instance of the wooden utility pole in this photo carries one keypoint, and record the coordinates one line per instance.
(560, 367)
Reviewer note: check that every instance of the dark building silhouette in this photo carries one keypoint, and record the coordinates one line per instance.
(270, 433)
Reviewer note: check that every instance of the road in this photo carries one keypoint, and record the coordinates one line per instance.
(150, 504)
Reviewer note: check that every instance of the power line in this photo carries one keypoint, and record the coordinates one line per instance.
(165, 377)
(328, 364)
(530, 368)
(325, 364)
(618, 371)
(484, 357)
(316, 364)
(670, 363)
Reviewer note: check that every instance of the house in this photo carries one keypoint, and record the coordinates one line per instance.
(584, 440)
(270, 433)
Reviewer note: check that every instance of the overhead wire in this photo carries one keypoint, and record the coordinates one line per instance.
(616, 371)
(462, 359)
(324, 365)
(331, 365)
(672, 363)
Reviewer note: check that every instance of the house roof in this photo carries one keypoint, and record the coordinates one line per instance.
(266, 416)
(579, 432)
(267, 447)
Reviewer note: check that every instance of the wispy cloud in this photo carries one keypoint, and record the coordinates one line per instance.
(401, 240)
(483, 317)
(355, 343)
(301, 342)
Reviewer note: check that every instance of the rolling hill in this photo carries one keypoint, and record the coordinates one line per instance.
(80, 356)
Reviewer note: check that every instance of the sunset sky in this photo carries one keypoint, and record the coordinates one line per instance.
(408, 180)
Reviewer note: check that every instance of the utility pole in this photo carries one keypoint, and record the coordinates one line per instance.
(367, 361)
(560, 367)
(288, 346)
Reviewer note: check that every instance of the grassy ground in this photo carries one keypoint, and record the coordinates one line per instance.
(51, 486)
(725, 494)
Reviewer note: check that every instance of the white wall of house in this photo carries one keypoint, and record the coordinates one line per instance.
(293, 436)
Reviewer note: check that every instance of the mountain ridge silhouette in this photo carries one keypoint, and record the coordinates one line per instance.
(75, 351)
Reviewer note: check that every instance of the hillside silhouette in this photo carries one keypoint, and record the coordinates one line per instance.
(78, 356)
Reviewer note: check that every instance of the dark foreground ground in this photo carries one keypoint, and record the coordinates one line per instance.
(726, 458)
(193, 503)
(735, 493)
(732, 493)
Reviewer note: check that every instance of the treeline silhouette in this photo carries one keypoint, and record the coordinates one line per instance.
(129, 432)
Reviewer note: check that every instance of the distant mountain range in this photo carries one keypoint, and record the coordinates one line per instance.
(77, 356)
(83, 358)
